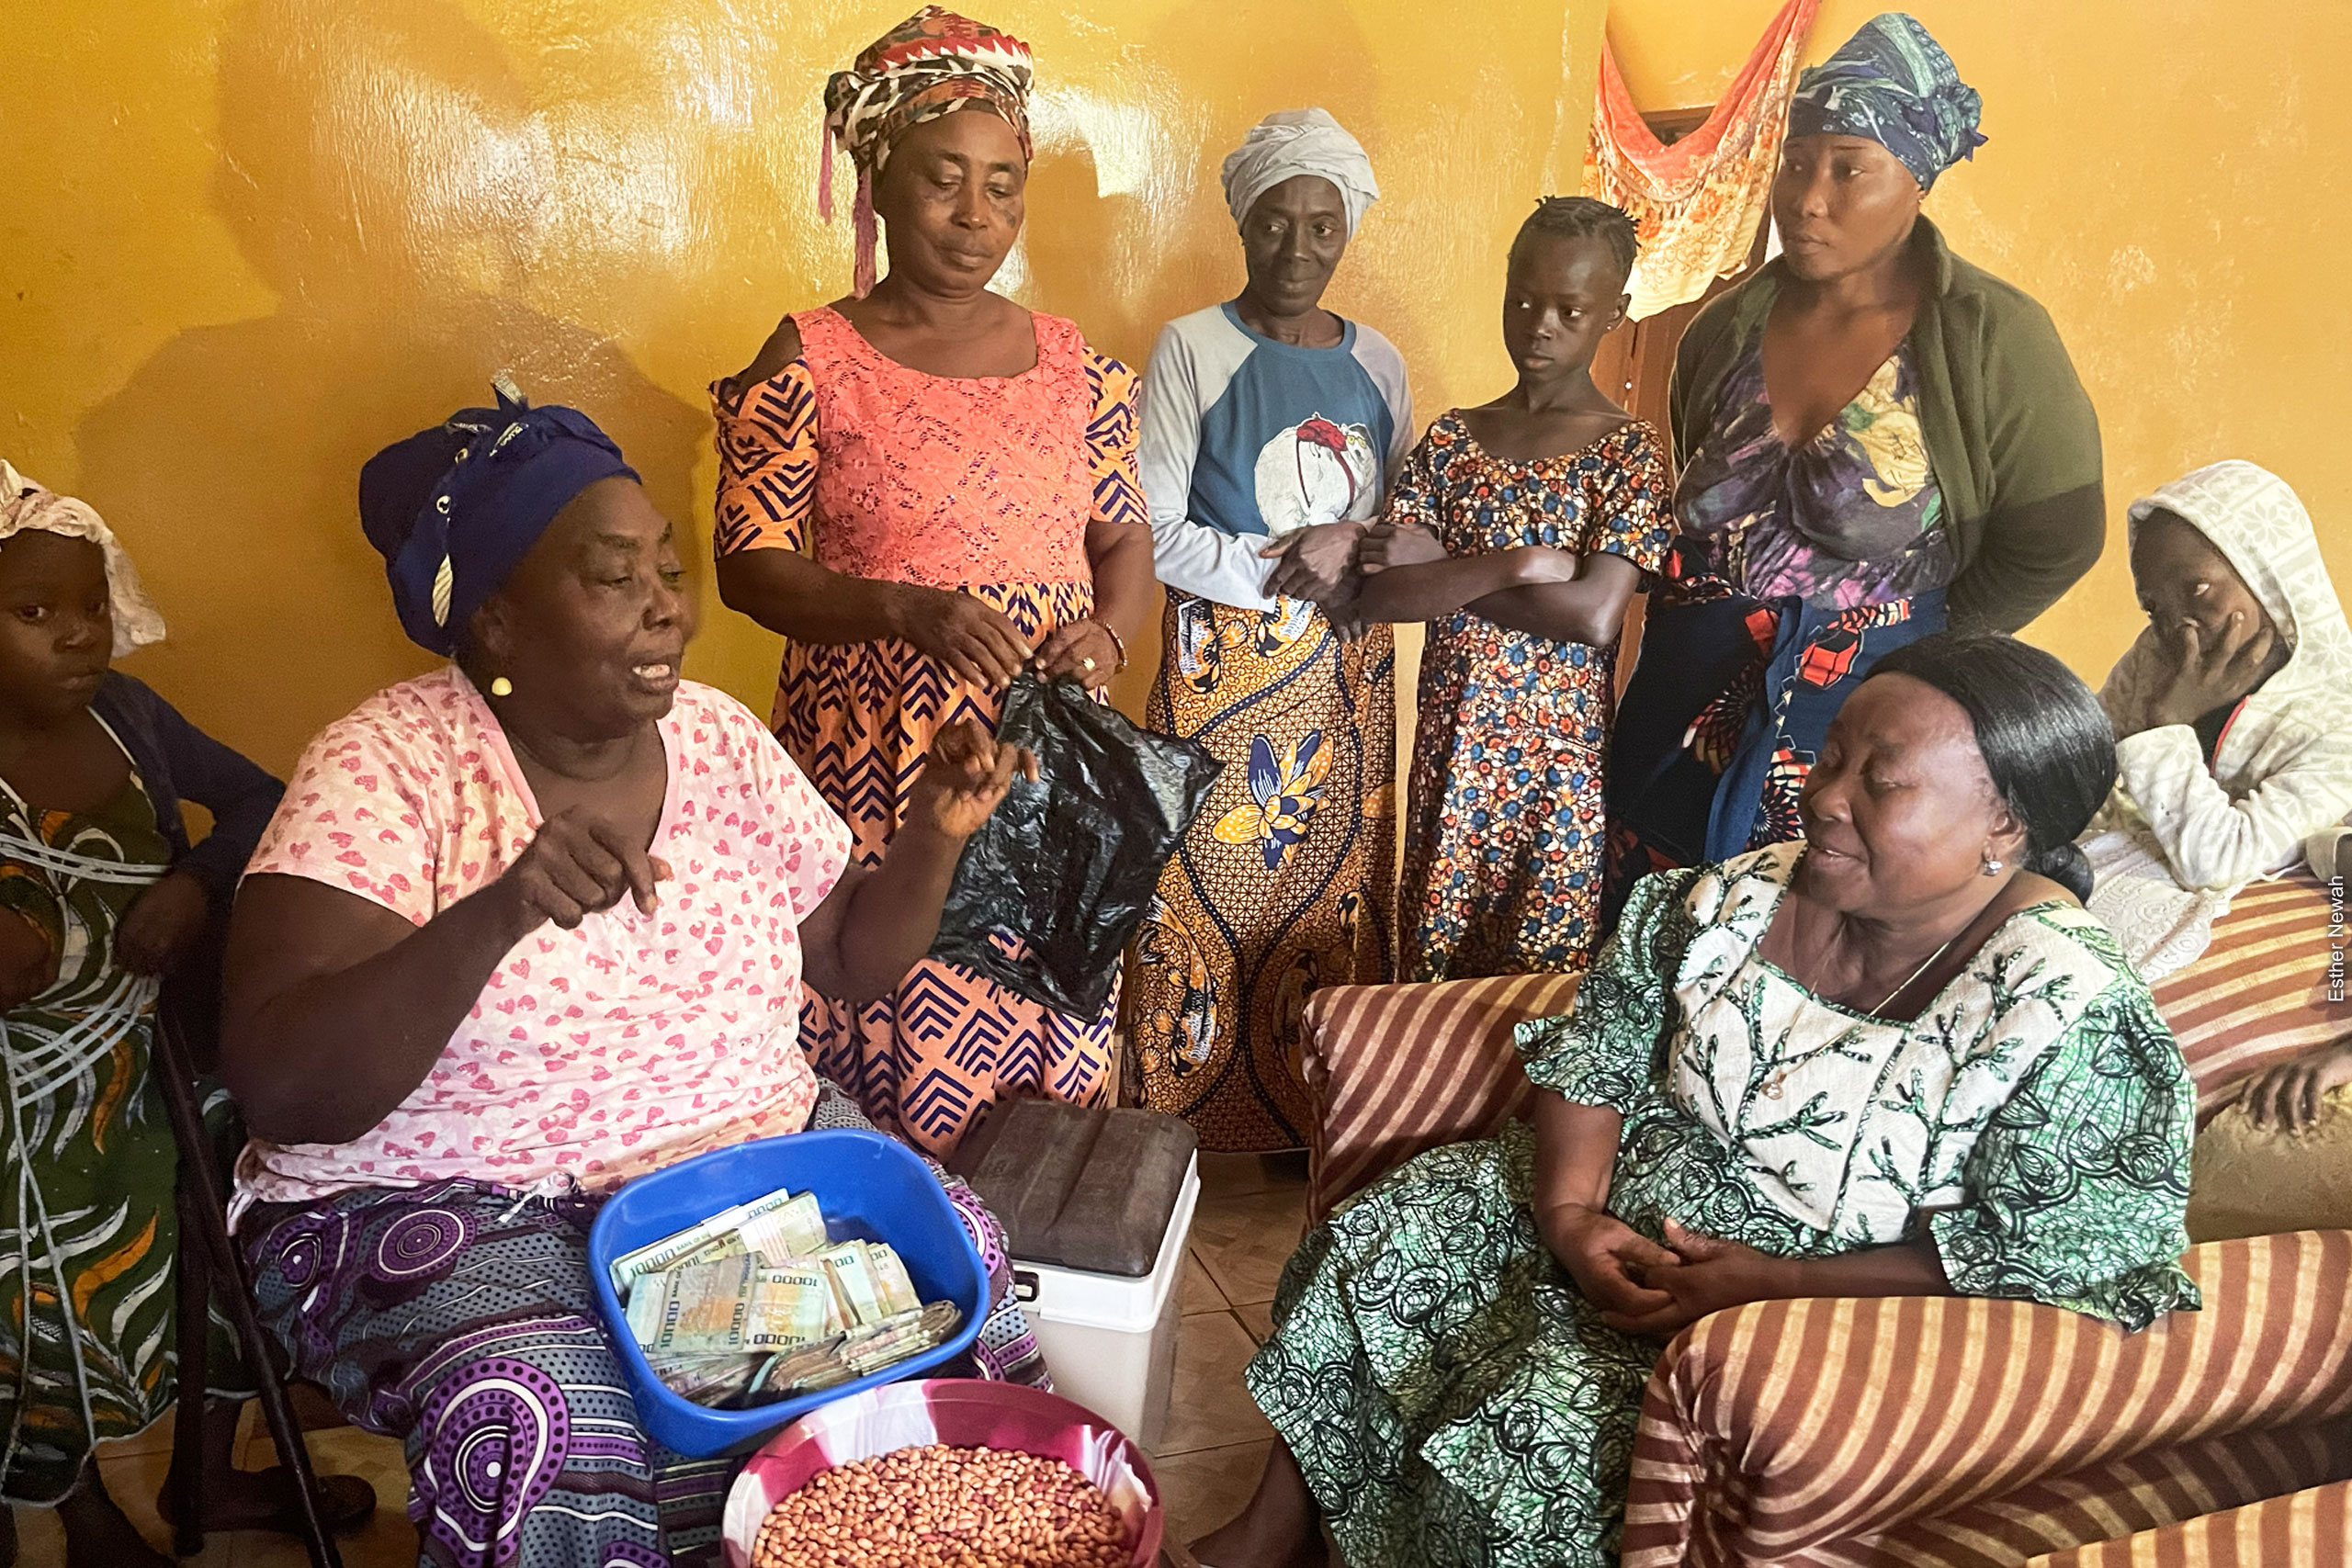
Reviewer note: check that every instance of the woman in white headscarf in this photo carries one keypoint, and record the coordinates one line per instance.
(2234, 710)
(1270, 427)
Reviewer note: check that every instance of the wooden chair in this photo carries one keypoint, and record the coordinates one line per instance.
(209, 1256)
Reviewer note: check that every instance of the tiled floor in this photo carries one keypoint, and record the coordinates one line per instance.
(1252, 1211)
(1207, 1461)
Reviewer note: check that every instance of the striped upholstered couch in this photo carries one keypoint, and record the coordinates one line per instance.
(1948, 1432)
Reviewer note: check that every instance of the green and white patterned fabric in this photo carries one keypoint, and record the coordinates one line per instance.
(1453, 1399)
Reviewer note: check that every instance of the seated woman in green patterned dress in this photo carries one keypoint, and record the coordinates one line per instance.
(1895, 1059)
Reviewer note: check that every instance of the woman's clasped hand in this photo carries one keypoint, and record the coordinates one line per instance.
(577, 865)
(981, 643)
(1387, 544)
(970, 637)
(1317, 563)
(1656, 1291)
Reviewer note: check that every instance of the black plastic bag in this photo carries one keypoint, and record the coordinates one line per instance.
(1064, 871)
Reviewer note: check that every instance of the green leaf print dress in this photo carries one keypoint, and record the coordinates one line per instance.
(1454, 1400)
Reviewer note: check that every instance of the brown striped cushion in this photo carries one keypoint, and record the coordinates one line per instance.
(2258, 994)
(1397, 1069)
(2144, 1491)
(2303, 1530)
(1804, 1424)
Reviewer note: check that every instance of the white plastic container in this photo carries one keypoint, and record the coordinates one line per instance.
(1110, 1339)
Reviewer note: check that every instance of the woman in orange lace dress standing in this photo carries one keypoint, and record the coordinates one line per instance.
(926, 488)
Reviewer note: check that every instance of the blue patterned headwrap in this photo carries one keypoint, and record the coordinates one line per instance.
(455, 509)
(1893, 83)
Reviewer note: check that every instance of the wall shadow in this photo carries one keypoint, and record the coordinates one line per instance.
(383, 172)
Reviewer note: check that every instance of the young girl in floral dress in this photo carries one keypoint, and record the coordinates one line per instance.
(1520, 531)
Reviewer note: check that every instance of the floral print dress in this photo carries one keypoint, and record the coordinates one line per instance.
(1795, 568)
(1503, 825)
(1454, 1400)
(1850, 517)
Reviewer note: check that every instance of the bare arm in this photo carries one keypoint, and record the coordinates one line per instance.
(1903, 1269)
(1125, 587)
(1591, 610)
(1575, 1153)
(1550, 592)
(1426, 591)
(1713, 1275)
(876, 925)
(785, 592)
(334, 1007)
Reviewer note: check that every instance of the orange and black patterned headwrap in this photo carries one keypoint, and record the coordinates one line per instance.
(933, 63)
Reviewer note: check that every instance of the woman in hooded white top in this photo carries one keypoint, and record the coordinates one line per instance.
(2232, 712)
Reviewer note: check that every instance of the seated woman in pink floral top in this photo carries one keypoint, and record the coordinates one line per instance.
(524, 928)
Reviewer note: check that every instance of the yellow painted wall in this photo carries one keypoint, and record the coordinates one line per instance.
(245, 244)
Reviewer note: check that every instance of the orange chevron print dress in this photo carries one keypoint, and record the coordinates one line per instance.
(984, 484)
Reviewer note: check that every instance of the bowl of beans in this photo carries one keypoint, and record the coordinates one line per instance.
(950, 1473)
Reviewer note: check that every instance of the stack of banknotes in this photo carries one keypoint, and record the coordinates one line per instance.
(758, 1302)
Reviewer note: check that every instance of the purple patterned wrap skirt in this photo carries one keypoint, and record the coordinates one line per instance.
(459, 1318)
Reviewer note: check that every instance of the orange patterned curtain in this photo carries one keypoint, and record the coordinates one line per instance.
(1697, 203)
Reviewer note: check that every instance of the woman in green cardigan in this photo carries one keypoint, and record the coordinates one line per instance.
(1875, 440)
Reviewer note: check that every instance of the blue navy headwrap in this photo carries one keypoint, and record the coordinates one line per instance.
(1893, 83)
(456, 508)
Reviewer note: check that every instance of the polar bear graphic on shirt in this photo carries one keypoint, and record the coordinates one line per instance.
(1317, 471)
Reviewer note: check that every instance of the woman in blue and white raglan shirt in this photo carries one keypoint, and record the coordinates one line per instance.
(1270, 429)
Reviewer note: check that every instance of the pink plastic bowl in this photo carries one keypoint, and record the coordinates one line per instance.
(965, 1413)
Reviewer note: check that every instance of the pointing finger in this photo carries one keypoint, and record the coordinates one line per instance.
(634, 866)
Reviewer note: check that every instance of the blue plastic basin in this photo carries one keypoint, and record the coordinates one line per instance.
(872, 1188)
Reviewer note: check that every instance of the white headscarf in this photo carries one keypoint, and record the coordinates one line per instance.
(23, 504)
(1300, 141)
(2285, 761)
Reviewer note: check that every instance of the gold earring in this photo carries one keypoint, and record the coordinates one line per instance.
(500, 686)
